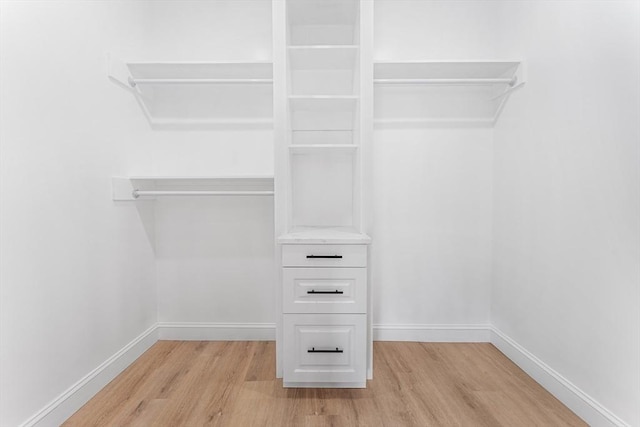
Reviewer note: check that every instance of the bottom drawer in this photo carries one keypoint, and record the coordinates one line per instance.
(324, 350)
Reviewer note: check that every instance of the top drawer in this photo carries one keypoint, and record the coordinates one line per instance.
(324, 255)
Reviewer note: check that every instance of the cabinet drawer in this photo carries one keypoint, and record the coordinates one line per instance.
(324, 255)
(324, 290)
(324, 349)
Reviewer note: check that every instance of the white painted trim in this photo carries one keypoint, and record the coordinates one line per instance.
(62, 407)
(294, 384)
(202, 331)
(432, 333)
(65, 405)
(564, 390)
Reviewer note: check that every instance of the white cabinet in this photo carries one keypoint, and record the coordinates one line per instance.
(323, 123)
(325, 313)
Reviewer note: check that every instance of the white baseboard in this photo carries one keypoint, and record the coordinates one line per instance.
(564, 390)
(62, 407)
(432, 333)
(200, 331)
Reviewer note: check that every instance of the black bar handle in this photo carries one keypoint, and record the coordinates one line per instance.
(324, 256)
(313, 350)
(313, 291)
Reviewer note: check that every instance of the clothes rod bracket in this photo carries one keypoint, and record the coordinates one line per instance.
(508, 91)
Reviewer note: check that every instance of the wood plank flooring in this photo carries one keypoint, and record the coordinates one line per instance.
(232, 383)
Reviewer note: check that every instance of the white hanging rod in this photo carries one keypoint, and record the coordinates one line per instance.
(142, 193)
(508, 80)
(134, 82)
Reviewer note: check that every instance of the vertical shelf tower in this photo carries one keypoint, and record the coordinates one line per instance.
(323, 120)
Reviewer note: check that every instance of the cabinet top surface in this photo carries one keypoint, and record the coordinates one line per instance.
(324, 236)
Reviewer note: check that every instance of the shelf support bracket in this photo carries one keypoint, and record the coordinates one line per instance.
(122, 189)
(508, 91)
(118, 73)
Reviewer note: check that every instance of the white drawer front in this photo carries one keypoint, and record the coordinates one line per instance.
(324, 290)
(324, 255)
(321, 348)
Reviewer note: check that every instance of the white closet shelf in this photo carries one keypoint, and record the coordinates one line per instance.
(443, 93)
(306, 148)
(150, 187)
(324, 235)
(202, 94)
(448, 70)
(316, 47)
(322, 102)
(322, 97)
(198, 72)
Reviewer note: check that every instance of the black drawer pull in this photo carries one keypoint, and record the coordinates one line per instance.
(313, 291)
(324, 256)
(313, 350)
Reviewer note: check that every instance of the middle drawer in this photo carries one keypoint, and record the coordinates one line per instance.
(324, 290)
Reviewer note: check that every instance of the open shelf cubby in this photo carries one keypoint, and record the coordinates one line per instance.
(322, 22)
(323, 70)
(323, 113)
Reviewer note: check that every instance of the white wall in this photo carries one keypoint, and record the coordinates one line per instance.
(566, 196)
(435, 30)
(77, 273)
(431, 250)
(214, 256)
(432, 226)
(219, 30)
(81, 275)
(215, 260)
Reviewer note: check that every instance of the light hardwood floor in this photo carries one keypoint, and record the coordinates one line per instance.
(232, 383)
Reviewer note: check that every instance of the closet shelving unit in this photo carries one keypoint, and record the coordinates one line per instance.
(324, 337)
(323, 103)
(323, 56)
(195, 95)
(141, 188)
(200, 94)
(443, 93)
